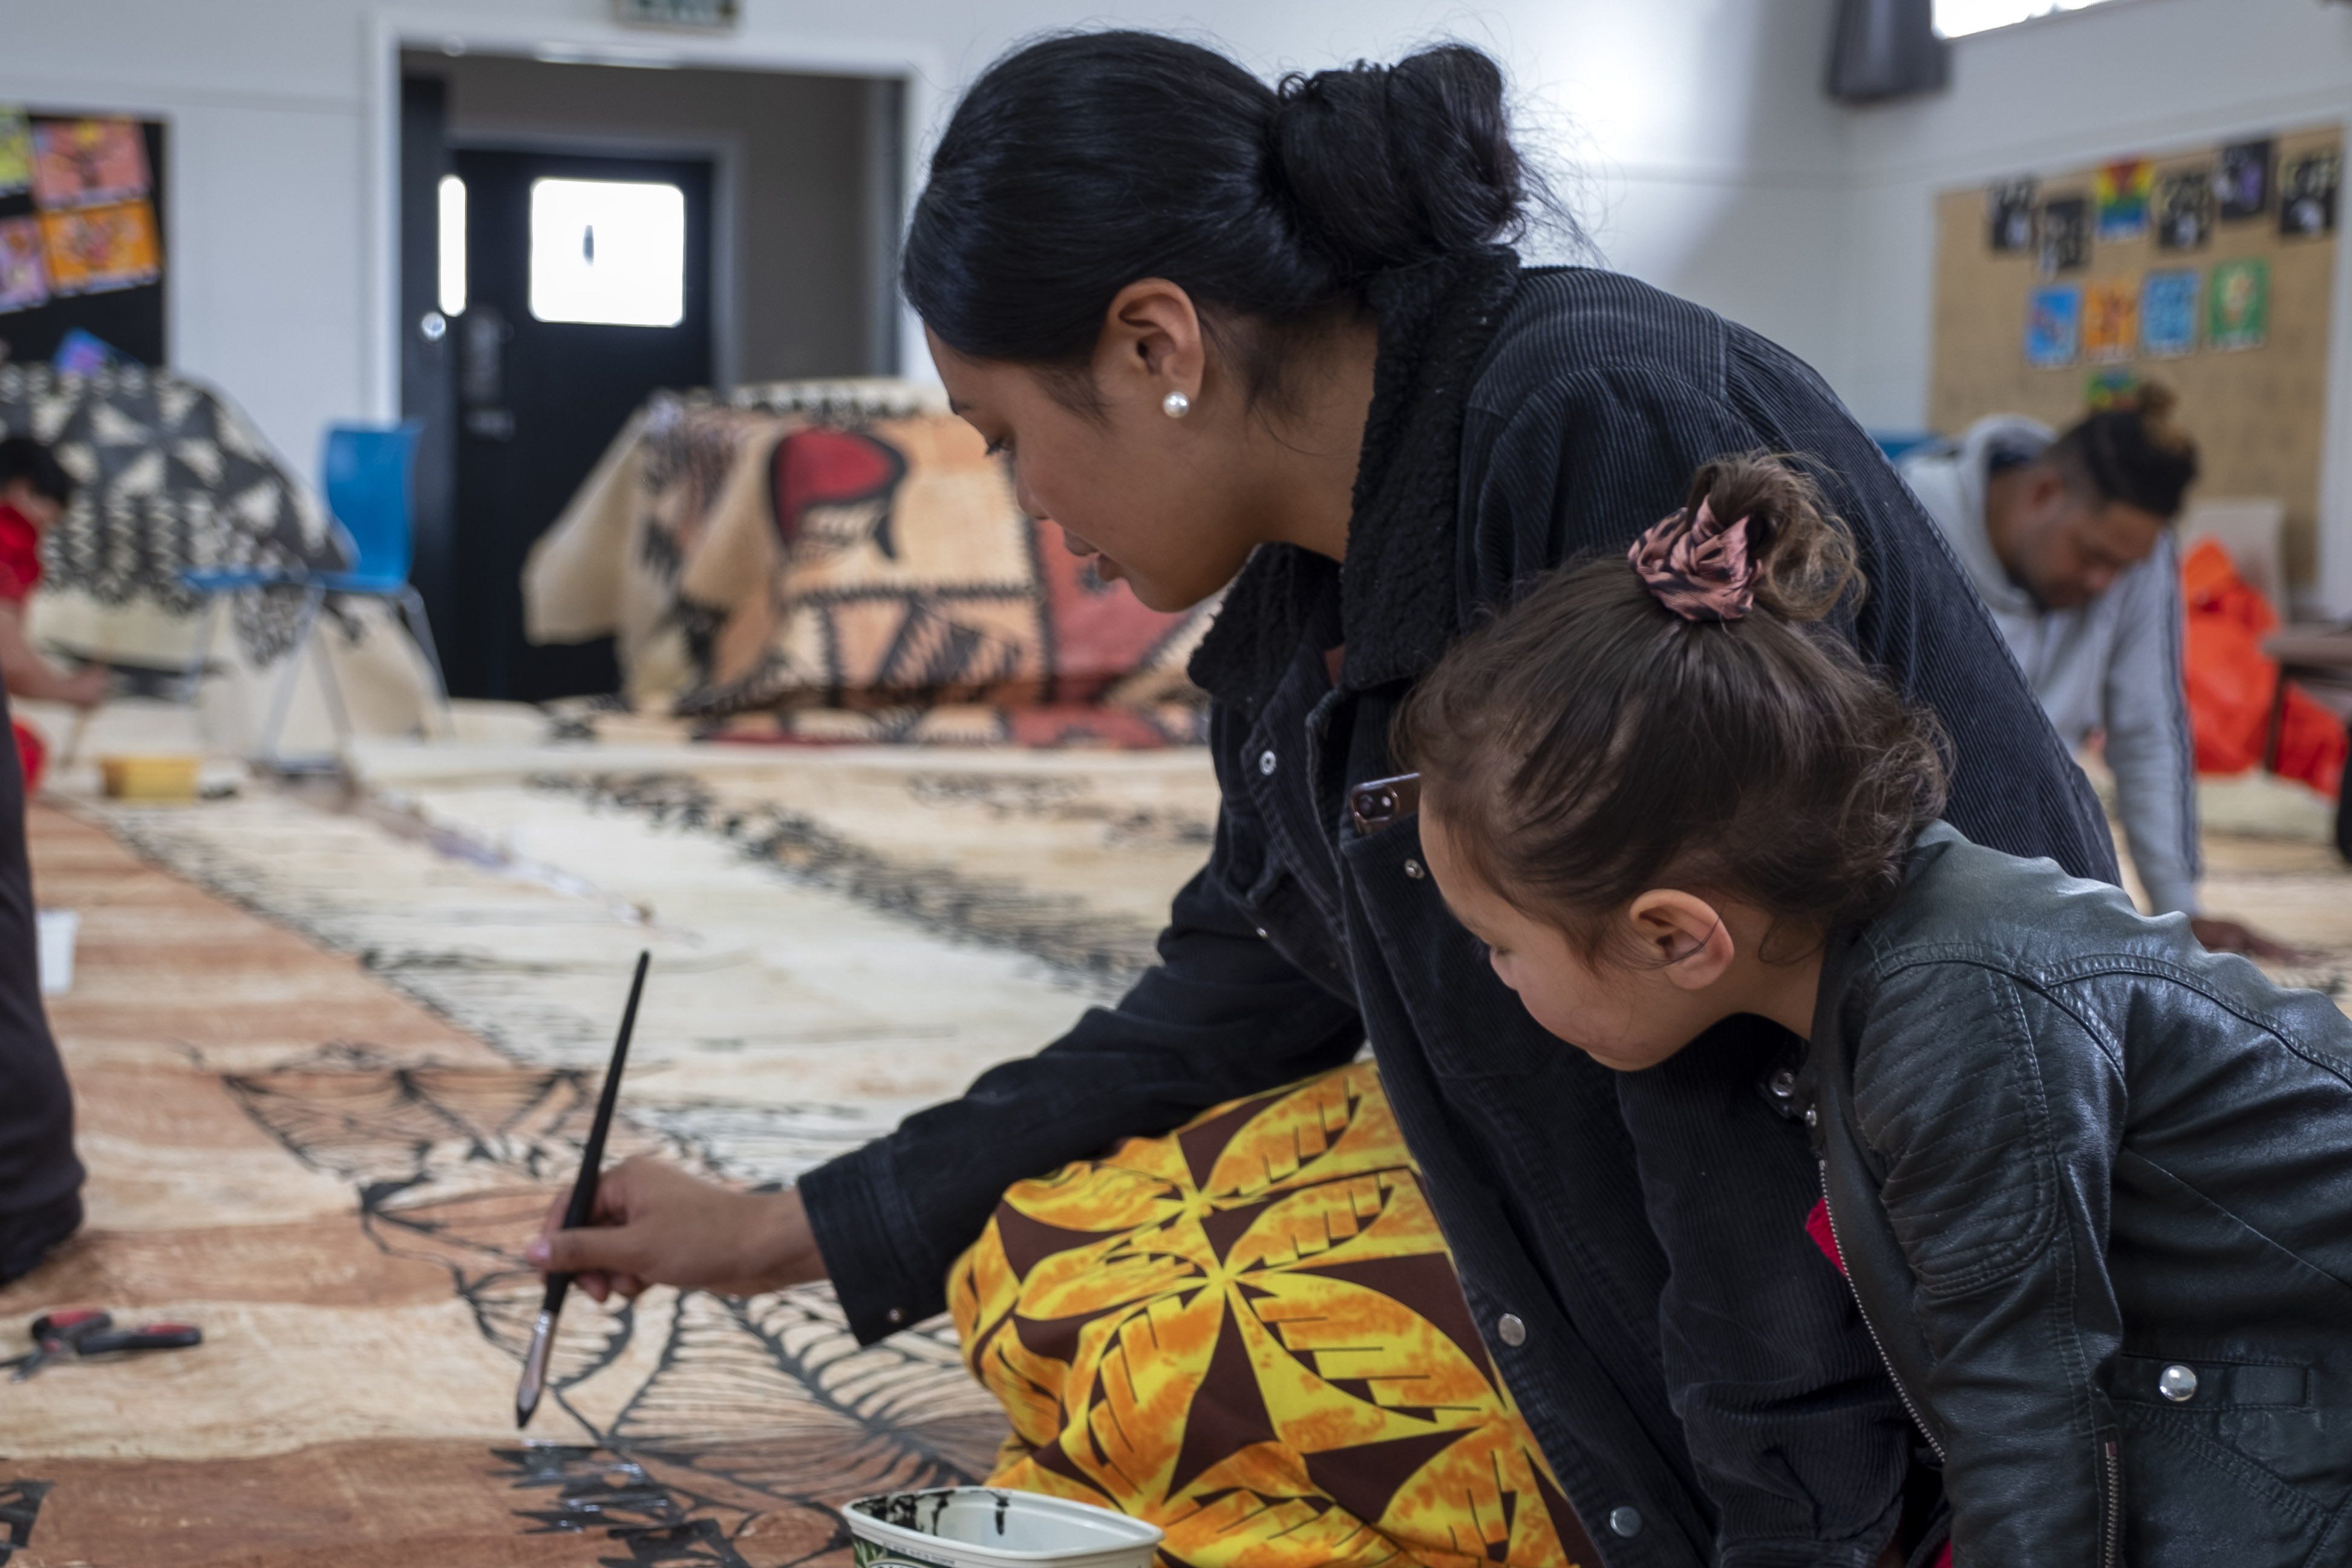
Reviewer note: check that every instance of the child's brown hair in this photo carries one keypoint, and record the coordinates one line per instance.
(1590, 742)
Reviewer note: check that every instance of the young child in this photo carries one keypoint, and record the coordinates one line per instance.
(2092, 1186)
(33, 494)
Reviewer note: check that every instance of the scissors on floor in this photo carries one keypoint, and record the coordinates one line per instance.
(86, 1333)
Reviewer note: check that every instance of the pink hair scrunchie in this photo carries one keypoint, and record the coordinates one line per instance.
(1697, 567)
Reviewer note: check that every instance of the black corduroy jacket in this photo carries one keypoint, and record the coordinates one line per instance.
(1520, 419)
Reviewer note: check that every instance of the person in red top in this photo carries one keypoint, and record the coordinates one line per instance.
(40, 1178)
(33, 494)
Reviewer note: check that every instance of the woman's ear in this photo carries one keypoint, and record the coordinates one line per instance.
(1152, 344)
(1684, 935)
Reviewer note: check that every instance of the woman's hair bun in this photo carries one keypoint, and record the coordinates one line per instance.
(1081, 163)
(1390, 165)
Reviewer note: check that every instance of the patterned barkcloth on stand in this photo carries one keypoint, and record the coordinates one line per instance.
(171, 477)
(1250, 1332)
(844, 563)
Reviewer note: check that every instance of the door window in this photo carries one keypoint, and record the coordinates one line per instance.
(608, 252)
(453, 246)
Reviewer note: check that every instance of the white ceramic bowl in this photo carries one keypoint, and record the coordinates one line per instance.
(991, 1527)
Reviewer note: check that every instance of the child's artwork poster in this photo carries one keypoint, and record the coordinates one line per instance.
(2308, 194)
(2065, 235)
(2244, 180)
(2054, 326)
(2184, 209)
(2121, 190)
(2238, 316)
(88, 163)
(93, 250)
(2110, 320)
(24, 277)
(2168, 313)
(2008, 216)
(16, 150)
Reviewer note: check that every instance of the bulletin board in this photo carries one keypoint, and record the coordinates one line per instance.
(81, 233)
(2212, 271)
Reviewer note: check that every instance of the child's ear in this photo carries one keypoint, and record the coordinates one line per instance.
(1684, 935)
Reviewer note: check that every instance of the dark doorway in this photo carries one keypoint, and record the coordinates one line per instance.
(554, 349)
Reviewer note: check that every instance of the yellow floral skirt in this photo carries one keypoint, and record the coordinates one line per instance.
(1250, 1332)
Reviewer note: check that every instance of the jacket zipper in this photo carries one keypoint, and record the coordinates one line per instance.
(1917, 1419)
(2113, 1556)
(2110, 1554)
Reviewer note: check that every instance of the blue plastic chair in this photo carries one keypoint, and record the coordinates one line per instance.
(365, 470)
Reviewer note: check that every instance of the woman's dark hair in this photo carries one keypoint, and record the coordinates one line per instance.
(1589, 744)
(1077, 165)
(21, 458)
(2131, 453)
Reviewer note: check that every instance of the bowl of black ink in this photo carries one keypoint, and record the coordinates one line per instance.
(993, 1527)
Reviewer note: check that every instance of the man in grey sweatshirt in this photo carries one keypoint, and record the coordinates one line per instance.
(2068, 540)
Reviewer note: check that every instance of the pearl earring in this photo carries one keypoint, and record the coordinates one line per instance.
(1175, 405)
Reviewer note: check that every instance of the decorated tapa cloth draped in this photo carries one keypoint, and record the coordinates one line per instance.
(171, 477)
(844, 562)
(1251, 1333)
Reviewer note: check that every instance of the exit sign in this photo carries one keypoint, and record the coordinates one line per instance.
(704, 16)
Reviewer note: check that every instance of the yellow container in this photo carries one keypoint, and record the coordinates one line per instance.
(150, 778)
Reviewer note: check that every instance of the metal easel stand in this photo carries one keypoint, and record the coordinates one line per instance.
(306, 626)
(410, 606)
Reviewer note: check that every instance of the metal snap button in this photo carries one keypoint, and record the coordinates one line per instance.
(1261, 933)
(1266, 762)
(2178, 1383)
(1784, 1084)
(1626, 1521)
(1413, 869)
(1812, 1117)
(896, 1315)
(1510, 1331)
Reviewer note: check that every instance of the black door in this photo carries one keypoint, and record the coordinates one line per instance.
(428, 369)
(555, 348)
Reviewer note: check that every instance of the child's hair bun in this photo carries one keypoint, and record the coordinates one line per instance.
(1802, 558)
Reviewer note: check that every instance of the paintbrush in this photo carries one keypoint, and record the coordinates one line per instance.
(82, 718)
(583, 1205)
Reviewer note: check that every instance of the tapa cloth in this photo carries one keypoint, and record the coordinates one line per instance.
(171, 475)
(852, 562)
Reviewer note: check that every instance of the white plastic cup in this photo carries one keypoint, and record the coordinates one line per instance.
(56, 930)
(994, 1527)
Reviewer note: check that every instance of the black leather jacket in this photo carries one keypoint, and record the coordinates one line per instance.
(2093, 1188)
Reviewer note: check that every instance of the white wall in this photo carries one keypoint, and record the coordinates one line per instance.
(2125, 78)
(1706, 159)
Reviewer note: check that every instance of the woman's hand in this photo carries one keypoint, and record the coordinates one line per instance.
(654, 1224)
(85, 687)
(2229, 936)
(27, 674)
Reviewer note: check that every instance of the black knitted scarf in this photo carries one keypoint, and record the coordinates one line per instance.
(1398, 607)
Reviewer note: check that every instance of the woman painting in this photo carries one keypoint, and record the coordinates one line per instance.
(1271, 336)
